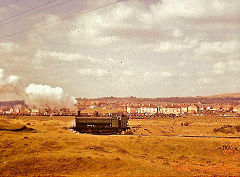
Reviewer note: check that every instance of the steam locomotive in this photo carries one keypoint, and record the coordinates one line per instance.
(114, 124)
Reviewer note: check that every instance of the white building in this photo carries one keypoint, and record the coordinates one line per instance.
(170, 109)
(149, 109)
(133, 109)
(236, 109)
(193, 108)
(34, 111)
(184, 110)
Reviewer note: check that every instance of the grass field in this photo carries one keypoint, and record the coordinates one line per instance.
(51, 149)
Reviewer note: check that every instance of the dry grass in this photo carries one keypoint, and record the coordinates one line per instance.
(188, 125)
(8, 126)
(55, 151)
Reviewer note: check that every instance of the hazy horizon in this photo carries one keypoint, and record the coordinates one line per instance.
(94, 49)
(143, 97)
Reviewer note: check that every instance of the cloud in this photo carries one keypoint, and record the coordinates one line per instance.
(220, 47)
(219, 68)
(125, 21)
(176, 46)
(93, 72)
(165, 74)
(171, 47)
(58, 55)
(182, 64)
(1, 73)
(9, 87)
(184, 74)
(195, 11)
(128, 73)
(7, 47)
(156, 76)
(13, 78)
(205, 81)
(178, 33)
(228, 68)
(234, 65)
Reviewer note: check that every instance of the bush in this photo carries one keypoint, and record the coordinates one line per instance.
(227, 129)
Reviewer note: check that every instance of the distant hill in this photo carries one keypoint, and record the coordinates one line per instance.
(217, 99)
(12, 103)
(225, 95)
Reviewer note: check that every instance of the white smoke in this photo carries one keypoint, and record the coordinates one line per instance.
(46, 96)
(35, 95)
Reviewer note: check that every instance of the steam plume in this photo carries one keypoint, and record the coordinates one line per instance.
(46, 96)
(35, 95)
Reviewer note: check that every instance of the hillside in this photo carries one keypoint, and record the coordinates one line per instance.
(12, 103)
(225, 95)
(204, 100)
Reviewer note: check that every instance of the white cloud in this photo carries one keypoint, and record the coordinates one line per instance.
(93, 72)
(128, 73)
(184, 74)
(182, 64)
(1, 73)
(188, 44)
(58, 55)
(230, 67)
(157, 75)
(205, 81)
(101, 72)
(165, 74)
(9, 89)
(171, 47)
(234, 65)
(65, 56)
(195, 9)
(218, 47)
(219, 67)
(185, 8)
(13, 78)
(178, 33)
(7, 47)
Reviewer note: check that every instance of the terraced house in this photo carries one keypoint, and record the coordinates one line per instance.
(236, 109)
(170, 109)
(151, 109)
(193, 108)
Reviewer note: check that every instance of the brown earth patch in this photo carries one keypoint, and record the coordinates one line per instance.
(227, 129)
